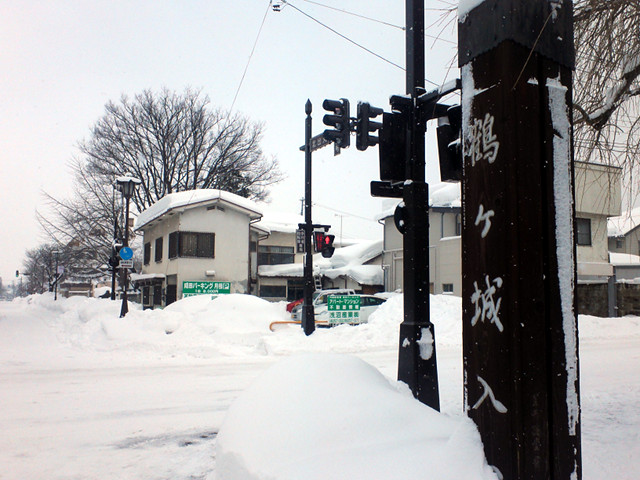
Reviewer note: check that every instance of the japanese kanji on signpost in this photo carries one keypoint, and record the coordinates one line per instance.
(519, 324)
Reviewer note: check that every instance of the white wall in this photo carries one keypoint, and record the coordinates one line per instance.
(231, 262)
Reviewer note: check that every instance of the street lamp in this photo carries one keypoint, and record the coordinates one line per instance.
(126, 185)
(56, 254)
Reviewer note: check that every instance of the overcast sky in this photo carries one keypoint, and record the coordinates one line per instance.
(62, 61)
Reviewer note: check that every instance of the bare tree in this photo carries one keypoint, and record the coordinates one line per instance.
(176, 142)
(39, 272)
(169, 141)
(606, 97)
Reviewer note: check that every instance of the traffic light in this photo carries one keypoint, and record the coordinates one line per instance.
(393, 149)
(449, 133)
(327, 246)
(365, 126)
(340, 120)
(318, 241)
(114, 259)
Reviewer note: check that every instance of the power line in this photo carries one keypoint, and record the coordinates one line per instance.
(356, 15)
(344, 36)
(250, 56)
(433, 37)
(342, 212)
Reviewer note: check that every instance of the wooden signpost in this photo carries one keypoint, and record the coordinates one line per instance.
(519, 325)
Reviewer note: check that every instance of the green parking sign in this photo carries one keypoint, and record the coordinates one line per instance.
(343, 308)
(191, 288)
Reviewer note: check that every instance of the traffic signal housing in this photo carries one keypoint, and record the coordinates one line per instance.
(340, 120)
(393, 148)
(365, 126)
(327, 246)
(318, 241)
(449, 133)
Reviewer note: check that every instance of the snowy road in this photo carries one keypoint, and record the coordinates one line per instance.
(70, 410)
(159, 420)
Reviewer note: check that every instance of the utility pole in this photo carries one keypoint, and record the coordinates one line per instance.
(417, 351)
(520, 341)
(308, 317)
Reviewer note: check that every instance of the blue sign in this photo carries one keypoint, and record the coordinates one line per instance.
(126, 253)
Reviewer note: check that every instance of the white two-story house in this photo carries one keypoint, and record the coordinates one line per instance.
(196, 236)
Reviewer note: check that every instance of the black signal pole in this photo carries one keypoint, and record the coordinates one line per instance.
(417, 354)
(308, 319)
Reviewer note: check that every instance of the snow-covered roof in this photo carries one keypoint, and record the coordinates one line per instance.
(619, 226)
(284, 222)
(195, 198)
(346, 261)
(139, 277)
(441, 195)
(616, 258)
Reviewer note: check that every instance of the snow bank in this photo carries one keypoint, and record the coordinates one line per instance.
(229, 325)
(334, 416)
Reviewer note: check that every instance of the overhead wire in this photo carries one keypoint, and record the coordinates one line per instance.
(356, 15)
(434, 37)
(347, 214)
(250, 55)
(344, 36)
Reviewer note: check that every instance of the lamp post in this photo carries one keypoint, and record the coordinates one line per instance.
(126, 185)
(56, 254)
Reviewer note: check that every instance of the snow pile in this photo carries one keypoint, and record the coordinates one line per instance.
(231, 325)
(198, 326)
(333, 416)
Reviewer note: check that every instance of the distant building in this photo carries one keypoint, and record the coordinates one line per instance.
(357, 266)
(198, 238)
(624, 232)
(445, 273)
(597, 198)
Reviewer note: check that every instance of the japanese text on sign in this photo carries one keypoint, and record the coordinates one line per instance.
(205, 288)
(343, 308)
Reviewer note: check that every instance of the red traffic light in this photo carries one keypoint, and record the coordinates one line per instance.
(327, 246)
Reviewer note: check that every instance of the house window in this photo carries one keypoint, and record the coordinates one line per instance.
(619, 242)
(147, 253)
(158, 252)
(272, 291)
(191, 244)
(173, 245)
(274, 255)
(583, 231)
(447, 288)
(458, 225)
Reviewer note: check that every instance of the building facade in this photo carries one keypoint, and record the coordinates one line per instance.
(597, 198)
(199, 236)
